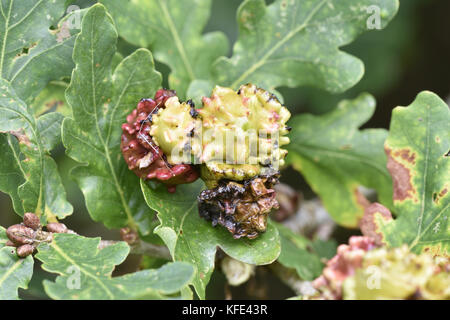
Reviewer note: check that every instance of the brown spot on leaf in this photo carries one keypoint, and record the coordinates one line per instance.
(438, 196)
(436, 250)
(405, 155)
(63, 32)
(22, 137)
(401, 175)
(368, 225)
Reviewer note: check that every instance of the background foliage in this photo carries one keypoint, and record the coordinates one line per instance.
(310, 60)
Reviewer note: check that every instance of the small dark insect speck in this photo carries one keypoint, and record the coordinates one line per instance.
(193, 112)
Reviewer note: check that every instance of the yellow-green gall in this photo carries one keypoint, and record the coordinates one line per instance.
(173, 128)
(242, 134)
(399, 274)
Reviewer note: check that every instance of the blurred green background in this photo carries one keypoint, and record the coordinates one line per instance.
(412, 54)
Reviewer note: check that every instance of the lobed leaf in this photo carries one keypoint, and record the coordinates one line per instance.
(31, 54)
(296, 42)
(325, 249)
(3, 237)
(173, 30)
(295, 254)
(192, 239)
(52, 98)
(100, 101)
(336, 158)
(41, 190)
(11, 171)
(85, 272)
(418, 149)
(14, 272)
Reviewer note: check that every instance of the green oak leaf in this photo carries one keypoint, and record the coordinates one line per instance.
(3, 237)
(31, 54)
(11, 172)
(52, 98)
(41, 190)
(418, 149)
(296, 42)
(295, 254)
(193, 239)
(199, 89)
(14, 272)
(325, 249)
(336, 158)
(100, 100)
(173, 30)
(85, 272)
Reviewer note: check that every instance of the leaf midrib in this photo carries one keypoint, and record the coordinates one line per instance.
(131, 221)
(116, 105)
(2, 57)
(8, 28)
(425, 173)
(178, 43)
(418, 238)
(36, 136)
(87, 273)
(177, 232)
(286, 38)
(420, 233)
(10, 271)
(16, 156)
(37, 55)
(192, 253)
(26, 15)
